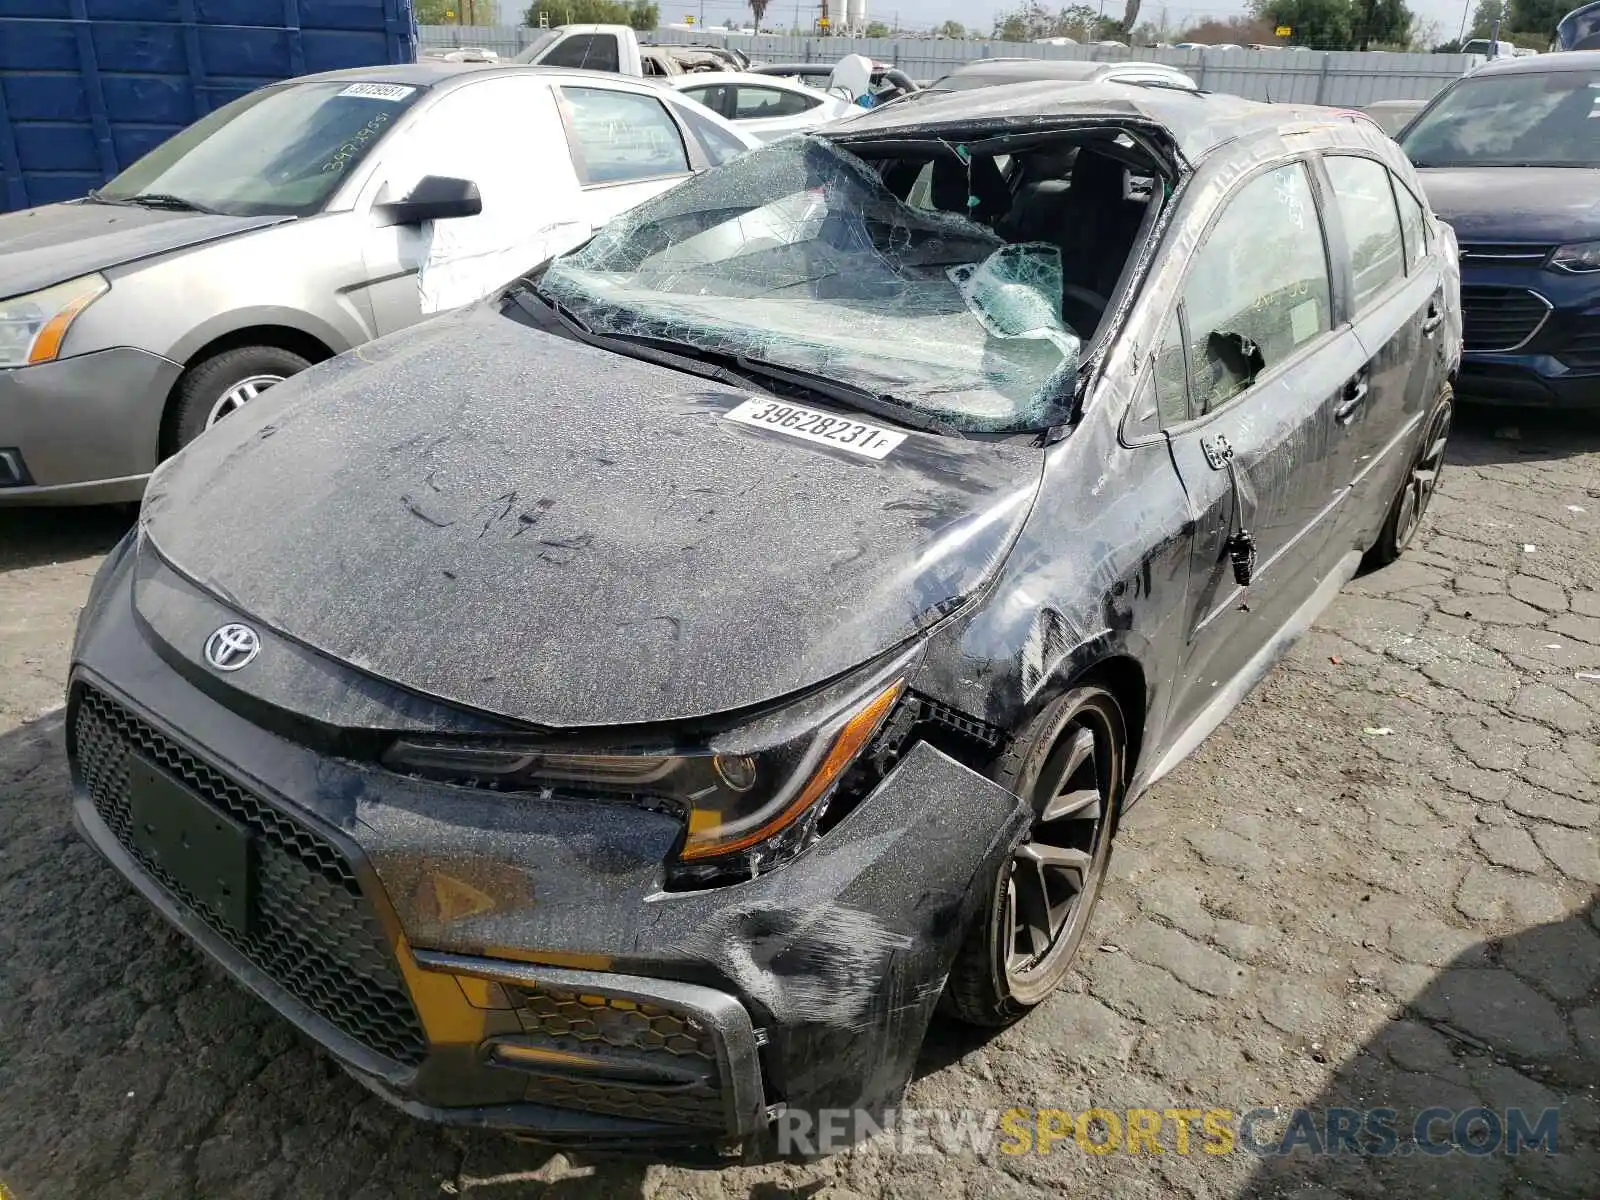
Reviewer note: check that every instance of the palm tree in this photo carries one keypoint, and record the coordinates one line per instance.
(759, 8)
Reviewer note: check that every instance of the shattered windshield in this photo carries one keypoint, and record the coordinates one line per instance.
(798, 255)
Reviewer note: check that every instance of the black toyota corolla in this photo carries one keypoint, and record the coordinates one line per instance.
(624, 710)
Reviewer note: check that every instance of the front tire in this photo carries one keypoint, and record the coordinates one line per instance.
(218, 386)
(1410, 503)
(1070, 765)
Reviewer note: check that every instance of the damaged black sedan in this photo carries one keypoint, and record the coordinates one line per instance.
(623, 711)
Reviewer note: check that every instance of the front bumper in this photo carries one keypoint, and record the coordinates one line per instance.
(1532, 338)
(515, 963)
(83, 430)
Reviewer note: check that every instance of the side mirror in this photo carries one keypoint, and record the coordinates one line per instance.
(435, 198)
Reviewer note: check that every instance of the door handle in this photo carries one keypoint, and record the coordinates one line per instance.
(1355, 395)
(1432, 321)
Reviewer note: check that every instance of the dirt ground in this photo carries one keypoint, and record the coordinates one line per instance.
(1375, 886)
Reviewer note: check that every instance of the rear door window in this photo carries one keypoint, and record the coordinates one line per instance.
(714, 96)
(751, 103)
(1366, 205)
(1413, 225)
(619, 136)
(585, 52)
(1258, 287)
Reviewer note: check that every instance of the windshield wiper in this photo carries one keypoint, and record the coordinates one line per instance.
(160, 200)
(641, 348)
(685, 356)
(880, 404)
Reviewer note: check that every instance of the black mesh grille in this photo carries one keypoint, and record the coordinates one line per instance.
(1497, 318)
(589, 1023)
(313, 932)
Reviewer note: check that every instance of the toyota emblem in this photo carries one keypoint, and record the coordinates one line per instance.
(232, 647)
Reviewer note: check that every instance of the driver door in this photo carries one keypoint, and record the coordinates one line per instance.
(1248, 378)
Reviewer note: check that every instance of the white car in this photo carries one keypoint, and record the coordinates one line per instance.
(763, 106)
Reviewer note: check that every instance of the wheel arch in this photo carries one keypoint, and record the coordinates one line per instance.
(1122, 675)
(307, 337)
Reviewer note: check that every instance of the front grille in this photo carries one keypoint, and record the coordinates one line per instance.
(1500, 318)
(1582, 350)
(312, 931)
(615, 1027)
(1503, 254)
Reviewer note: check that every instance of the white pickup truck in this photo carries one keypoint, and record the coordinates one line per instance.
(587, 47)
(616, 48)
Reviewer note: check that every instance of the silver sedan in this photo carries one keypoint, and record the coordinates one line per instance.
(296, 222)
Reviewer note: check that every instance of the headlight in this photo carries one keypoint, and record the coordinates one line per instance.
(32, 327)
(747, 796)
(1579, 258)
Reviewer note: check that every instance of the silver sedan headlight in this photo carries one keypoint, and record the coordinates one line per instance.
(32, 327)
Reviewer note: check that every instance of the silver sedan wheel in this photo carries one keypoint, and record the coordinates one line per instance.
(240, 394)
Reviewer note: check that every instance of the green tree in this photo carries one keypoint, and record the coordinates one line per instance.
(454, 12)
(1075, 21)
(1024, 24)
(1539, 16)
(877, 29)
(1387, 22)
(1484, 16)
(758, 10)
(953, 29)
(640, 15)
(1320, 24)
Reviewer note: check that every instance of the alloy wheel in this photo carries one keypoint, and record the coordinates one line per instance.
(238, 395)
(1424, 479)
(1055, 870)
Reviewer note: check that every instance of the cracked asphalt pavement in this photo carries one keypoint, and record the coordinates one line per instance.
(1375, 885)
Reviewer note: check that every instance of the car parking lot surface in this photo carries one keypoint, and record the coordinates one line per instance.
(1375, 886)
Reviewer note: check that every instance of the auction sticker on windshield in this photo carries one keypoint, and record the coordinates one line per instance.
(378, 91)
(826, 429)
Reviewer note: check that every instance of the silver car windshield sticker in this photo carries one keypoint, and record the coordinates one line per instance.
(378, 91)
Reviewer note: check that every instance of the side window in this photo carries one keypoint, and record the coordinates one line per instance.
(753, 103)
(585, 51)
(1171, 380)
(713, 96)
(1412, 224)
(1258, 287)
(718, 143)
(1371, 224)
(623, 136)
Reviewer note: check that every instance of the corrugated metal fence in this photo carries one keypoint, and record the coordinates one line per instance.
(1343, 78)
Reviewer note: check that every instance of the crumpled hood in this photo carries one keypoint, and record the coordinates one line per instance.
(1516, 204)
(509, 520)
(44, 246)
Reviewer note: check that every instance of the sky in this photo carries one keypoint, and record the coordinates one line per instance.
(924, 14)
